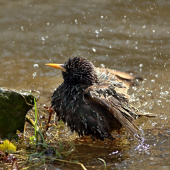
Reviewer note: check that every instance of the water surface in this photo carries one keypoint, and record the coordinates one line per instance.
(131, 36)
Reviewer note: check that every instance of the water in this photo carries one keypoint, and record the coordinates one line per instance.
(131, 36)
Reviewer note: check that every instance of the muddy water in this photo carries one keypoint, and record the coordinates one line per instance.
(131, 36)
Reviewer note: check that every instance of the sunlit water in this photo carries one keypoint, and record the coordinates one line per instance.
(131, 36)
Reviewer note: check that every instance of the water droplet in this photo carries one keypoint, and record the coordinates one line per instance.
(76, 21)
(153, 31)
(94, 50)
(22, 28)
(140, 65)
(36, 66)
(113, 153)
(153, 124)
(43, 38)
(153, 80)
(124, 21)
(97, 31)
(101, 16)
(102, 66)
(34, 74)
(127, 41)
(156, 75)
(48, 23)
(144, 26)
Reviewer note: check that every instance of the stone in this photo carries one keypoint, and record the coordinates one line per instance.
(14, 106)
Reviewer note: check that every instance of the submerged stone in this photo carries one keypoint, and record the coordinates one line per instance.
(14, 106)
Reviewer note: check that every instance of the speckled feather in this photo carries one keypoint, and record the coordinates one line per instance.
(93, 101)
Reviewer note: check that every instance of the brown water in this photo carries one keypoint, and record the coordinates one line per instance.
(131, 36)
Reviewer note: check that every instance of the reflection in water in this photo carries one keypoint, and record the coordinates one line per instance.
(131, 36)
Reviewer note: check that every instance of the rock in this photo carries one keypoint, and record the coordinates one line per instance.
(14, 106)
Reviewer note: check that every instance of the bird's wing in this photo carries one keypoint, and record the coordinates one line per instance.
(115, 100)
(126, 78)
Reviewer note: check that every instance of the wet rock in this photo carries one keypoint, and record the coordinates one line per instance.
(14, 105)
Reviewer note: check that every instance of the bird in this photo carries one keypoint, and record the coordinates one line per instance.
(93, 101)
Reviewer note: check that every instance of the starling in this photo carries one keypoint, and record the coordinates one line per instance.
(94, 101)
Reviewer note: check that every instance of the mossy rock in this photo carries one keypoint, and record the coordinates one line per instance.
(14, 105)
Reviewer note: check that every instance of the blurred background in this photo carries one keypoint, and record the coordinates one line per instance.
(131, 36)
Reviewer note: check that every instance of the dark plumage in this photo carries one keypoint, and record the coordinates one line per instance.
(93, 101)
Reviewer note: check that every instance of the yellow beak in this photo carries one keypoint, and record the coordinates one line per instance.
(57, 66)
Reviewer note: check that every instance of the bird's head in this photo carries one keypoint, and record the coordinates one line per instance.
(77, 70)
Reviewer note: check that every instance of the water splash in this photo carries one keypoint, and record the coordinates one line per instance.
(142, 146)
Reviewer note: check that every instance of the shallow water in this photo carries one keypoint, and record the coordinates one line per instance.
(131, 36)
